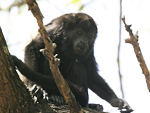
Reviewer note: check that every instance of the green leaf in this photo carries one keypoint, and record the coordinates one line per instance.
(21, 8)
(77, 3)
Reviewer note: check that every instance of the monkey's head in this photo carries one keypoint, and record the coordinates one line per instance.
(74, 34)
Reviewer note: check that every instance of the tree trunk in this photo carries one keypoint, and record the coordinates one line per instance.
(14, 96)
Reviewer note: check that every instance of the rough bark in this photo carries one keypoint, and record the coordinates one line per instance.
(14, 96)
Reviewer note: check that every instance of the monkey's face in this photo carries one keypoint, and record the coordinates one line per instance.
(81, 40)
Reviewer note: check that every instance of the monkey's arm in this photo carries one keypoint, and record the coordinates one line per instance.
(98, 85)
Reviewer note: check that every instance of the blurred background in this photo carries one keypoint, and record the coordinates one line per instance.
(19, 25)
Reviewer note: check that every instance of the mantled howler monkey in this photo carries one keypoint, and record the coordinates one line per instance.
(74, 35)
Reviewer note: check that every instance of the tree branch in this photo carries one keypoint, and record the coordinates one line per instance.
(14, 96)
(134, 41)
(119, 45)
(54, 62)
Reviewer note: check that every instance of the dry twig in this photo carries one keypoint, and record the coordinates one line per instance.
(54, 62)
(118, 55)
(134, 41)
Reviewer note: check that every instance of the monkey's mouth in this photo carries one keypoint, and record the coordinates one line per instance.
(81, 50)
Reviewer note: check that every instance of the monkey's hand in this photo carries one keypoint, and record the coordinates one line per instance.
(122, 105)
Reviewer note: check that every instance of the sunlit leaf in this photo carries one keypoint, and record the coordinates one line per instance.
(21, 8)
(77, 3)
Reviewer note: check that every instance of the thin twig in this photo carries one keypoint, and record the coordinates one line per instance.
(54, 62)
(119, 45)
(134, 41)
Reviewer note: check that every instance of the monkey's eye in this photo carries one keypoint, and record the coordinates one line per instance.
(80, 32)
